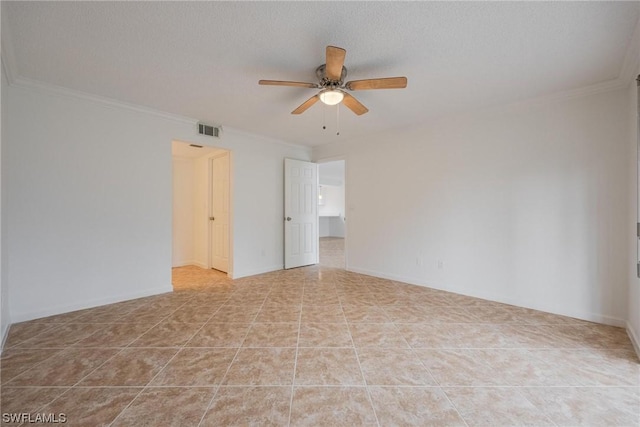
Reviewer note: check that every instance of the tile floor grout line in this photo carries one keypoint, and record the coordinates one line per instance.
(11, 347)
(145, 387)
(68, 388)
(295, 362)
(62, 349)
(40, 408)
(71, 347)
(366, 384)
(18, 346)
(98, 367)
(343, 385)
(144, 333)
(417, 348)
(539, 410)
(333, 283)
(79, 381)
(220, 384)
(439, 386)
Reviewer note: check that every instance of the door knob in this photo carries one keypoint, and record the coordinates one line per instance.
(212, 218)
(288, 218)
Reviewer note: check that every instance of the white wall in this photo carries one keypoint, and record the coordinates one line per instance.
(5, 319)
(183, 211)
(524, 205)
(332, 211)
(633, 324)
(324, 227)
(191, 211)
(201, 212)
(333, 200)
(331, 226)
(257, 202)
(88, 187)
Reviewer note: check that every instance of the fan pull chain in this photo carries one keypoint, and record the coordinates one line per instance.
(324, 117)
(338, 119)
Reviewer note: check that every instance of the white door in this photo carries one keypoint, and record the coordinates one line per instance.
(300, 213)
(219, 212)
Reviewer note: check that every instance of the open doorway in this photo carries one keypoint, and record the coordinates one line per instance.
(331, 213)
(201, 209)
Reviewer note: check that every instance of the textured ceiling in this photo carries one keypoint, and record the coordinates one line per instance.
(203, 59)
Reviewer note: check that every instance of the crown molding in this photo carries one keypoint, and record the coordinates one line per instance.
(537, 102)
(9, 70)
(240, 132)
(628, 73)
(607, 86)
(631, 62)
(37, 85)
(31, 84)
(7, 55)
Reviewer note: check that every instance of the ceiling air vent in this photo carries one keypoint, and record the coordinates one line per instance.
(208, 130)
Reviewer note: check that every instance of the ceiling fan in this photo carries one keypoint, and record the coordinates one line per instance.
(331, 78)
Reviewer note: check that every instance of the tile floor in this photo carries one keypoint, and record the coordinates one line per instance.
(318, 346)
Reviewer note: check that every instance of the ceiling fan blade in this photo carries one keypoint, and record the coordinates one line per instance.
(354, 105)
(305, 105)
(286, 83)
(335, 61)
(385, 83)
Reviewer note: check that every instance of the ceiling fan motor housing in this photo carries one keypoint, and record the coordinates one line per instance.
(321, 73)
(333, 89)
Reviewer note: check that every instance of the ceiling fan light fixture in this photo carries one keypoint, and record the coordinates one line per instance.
(331, 97)
(332, 89)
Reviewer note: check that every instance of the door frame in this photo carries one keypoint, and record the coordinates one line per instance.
(346, 200)
(206, 262)
(287, 226)
(230, 209)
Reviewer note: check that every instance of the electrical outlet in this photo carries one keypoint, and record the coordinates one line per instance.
(419, 261)
(440, 264)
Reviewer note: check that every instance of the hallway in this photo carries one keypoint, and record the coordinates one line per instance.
(332, 252)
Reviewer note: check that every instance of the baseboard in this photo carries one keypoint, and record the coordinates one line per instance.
(188, 262)
(199, 264)
(51, 311)
(181, 264)
(633, 336)
(261, 270)
(393, 277)
(590, 317)
(5, 335)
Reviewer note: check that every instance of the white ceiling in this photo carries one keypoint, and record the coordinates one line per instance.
(203, 59)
